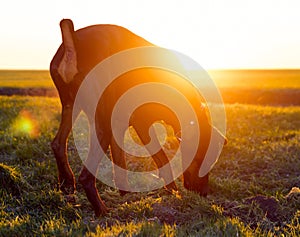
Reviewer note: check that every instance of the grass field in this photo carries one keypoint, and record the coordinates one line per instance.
(255, 184)
(265, 87)
(259, 79)
(25, 79)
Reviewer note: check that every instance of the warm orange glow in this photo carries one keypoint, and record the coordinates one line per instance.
(256, 79)
(25, 125)
(217, 34)
(258, 86)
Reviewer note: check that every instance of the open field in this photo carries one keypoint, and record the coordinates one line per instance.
(251, 183)
(259, 79)
(265, 87)
(25, 79)
(255, 184)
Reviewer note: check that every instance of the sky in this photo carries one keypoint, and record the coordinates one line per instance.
(217, 34)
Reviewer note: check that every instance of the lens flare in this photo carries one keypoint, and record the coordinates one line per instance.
(151, 93)
(26, 125)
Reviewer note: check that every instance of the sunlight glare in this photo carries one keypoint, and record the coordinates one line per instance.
(25, 125)
(217, 34)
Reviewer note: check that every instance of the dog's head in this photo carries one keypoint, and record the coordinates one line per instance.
(196, 175)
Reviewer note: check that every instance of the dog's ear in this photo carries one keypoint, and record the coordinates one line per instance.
(68, 65)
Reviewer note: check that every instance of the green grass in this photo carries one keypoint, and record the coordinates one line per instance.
(261, 158)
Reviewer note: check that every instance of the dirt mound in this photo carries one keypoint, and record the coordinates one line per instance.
(269, 205)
